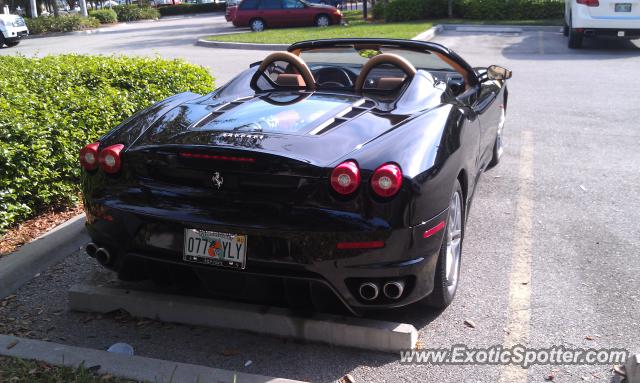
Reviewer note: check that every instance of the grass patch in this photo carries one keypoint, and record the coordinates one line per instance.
(19, 370)
(357, 27)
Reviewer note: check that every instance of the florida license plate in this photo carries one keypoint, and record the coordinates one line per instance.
(213, 248)
(623, 7)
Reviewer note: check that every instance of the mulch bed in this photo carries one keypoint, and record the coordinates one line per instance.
(30, 229)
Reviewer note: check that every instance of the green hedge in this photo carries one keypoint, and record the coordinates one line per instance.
(405, 10)
(105, 16)
(48, 24)
(378, 10)
(510, 9)
(51, 107)
(135, 12)
(184, 9)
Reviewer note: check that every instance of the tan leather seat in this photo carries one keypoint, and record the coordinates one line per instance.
(289, 79)
(383, 58)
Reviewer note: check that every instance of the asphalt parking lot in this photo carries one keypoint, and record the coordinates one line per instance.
(552, 242)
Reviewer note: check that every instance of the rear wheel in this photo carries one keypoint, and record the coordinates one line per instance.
(12, 44)
(257, 25)
(447, 274)
(323, 21)
(565, 29)
(2, 41)
(575, 37)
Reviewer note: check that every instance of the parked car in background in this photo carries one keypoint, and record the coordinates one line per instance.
(260, 14)
(592, 18)
(12, 29)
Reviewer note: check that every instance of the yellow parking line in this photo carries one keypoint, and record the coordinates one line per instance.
(518, 315)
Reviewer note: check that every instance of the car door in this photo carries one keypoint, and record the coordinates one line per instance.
(489, 113)
(272, 13)
(296, 12)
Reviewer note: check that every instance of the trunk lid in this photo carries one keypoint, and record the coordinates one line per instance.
(308, 128)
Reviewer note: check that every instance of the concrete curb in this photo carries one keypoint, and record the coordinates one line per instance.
(499, 28)
(429, 33)
(131, 367)
(341, 331)
(22, 265)
(246, 46)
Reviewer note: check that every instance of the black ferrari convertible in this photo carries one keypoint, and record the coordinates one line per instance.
(341, 168)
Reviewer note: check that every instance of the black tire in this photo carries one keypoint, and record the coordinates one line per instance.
(254, 25)
(443, 292)
(323, 20)
(1, 40)
(12, 44)
(565, 29)
(575, 38)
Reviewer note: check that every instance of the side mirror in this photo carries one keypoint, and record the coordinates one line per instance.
(495, 72)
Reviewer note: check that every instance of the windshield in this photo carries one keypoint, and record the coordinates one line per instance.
(352, 55)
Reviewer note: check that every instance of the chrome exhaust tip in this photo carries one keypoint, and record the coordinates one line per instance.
(369, 291)
(103, 256)
(91, 249)
(393, 289)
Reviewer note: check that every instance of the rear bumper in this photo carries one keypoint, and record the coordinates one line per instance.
(289, 253)
(621, 33)
(581, 18)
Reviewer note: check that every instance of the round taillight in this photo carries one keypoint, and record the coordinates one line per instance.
(345, 178)
(386, 180)
(89, 156)
(110, 158)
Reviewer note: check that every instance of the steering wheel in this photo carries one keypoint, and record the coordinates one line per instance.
(335, 77)
(295, 62)
(383, 58)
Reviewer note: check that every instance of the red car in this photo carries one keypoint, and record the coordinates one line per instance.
(259, 14)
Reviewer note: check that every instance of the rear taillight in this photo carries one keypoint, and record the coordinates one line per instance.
(109, 158)
(386, 180)
(89, 156)
(345, 178)
(589, 3)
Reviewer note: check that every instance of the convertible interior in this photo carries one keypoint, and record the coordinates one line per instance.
(382, 72)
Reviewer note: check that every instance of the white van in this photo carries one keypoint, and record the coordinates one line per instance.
(591, 18)
(12, 29)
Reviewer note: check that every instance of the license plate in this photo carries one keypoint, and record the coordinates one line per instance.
(623, 7)
(213, 248)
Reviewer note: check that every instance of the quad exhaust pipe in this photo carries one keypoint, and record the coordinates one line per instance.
(103, 256)
(369, 291)
(393, 289)
(91, 249)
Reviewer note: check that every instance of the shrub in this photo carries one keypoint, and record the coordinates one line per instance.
(148, 13)
(183, 9)
(105, 16)
(510, 9)
(51, 107)
(48, 24)
(404, 10)
(134, 12)
(378, 10)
